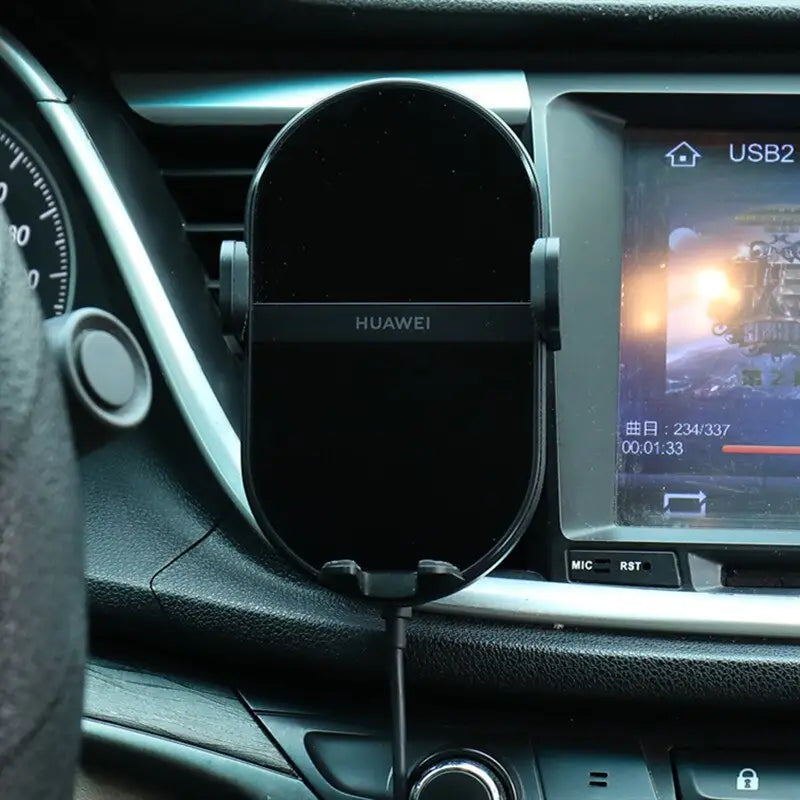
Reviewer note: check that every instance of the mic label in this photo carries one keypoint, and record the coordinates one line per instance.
(417, 323)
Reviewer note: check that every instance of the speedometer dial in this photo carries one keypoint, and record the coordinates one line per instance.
(38, 221)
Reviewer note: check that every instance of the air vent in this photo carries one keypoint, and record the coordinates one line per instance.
(207, 132)
(208, 170)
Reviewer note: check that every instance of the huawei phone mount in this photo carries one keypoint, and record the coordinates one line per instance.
(396, 325)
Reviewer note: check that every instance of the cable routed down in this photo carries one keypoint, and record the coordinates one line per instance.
(396, 629)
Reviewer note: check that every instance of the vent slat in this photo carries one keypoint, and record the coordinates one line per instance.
(208, 172)
(173, 173)
(232, 228)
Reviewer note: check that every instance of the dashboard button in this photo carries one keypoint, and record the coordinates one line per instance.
(594, 775)
(103, 367)
(732, 776)
(623, 567)
(108, 369)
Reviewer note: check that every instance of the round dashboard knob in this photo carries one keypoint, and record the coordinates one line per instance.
(463, 778)
(103, 366)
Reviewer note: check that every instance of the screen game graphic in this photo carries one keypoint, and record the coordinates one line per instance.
(709, 425)
(734, 328)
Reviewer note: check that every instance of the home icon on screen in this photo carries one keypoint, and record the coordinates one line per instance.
(683, 155)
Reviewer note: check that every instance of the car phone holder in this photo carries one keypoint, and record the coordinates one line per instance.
(397, 303)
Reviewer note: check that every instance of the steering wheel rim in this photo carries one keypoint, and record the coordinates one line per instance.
(42, 594)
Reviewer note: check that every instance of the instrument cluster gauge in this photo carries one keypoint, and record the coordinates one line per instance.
(37, 222)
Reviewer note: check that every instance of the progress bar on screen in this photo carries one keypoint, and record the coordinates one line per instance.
(761, 449)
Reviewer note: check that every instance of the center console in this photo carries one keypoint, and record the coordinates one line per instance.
(537, 755)
(296, 743)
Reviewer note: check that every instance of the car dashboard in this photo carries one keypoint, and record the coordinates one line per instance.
(640, 641)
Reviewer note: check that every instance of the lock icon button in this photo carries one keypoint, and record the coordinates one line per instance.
(747, 781)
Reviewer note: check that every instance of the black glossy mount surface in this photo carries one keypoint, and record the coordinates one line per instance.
(417, 445)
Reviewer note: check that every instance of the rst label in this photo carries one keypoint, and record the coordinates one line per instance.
(759, 152)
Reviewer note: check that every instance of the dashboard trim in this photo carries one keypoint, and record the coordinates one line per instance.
(627, 608)
(182, 370)
(21, 62)
(201, 408)
(515, 600)
(273, 99)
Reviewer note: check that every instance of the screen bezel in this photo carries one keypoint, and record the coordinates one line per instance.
(584, 137)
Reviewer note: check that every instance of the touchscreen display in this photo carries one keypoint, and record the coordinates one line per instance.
(709, 384)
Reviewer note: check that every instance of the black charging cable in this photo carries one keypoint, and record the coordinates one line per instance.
(397, 618)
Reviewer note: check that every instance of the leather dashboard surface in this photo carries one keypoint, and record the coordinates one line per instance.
(254, 609)
(549, 25)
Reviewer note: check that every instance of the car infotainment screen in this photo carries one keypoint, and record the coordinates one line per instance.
(709, 382)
